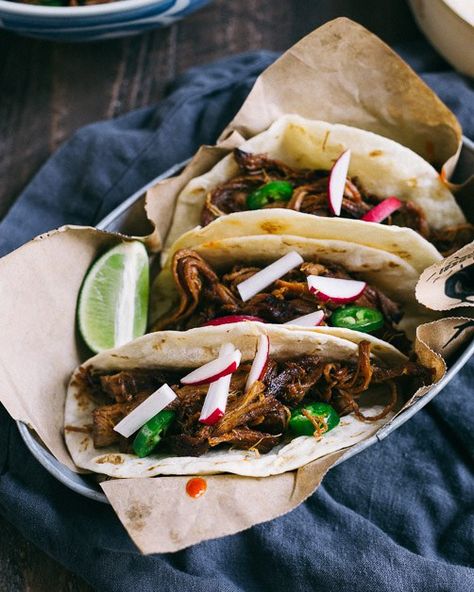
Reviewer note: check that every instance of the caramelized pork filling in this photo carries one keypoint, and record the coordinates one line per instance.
(204, 295)
(310, 196)
(256, 419)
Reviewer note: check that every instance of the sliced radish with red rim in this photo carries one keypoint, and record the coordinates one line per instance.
(382, 210)
(232, 319)
(312, 319)
(335, 289)
(212, 371)
(217, 413)
(215, 402)
(337, 182)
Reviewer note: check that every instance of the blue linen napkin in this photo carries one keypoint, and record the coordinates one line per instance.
(397, 517)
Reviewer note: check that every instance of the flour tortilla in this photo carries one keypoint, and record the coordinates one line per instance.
(392, 273)
(383, 166)
(181, 350)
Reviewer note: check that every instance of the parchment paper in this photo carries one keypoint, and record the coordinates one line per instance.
(340, 72)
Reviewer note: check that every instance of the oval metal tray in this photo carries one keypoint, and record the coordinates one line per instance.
(127, 218)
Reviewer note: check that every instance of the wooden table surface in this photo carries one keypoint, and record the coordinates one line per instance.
(49, 90)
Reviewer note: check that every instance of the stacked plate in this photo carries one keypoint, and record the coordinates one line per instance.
(449, 25)
(92, 23)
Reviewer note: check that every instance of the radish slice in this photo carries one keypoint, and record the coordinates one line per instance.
(335, 289)
(215, 415)
(216, 398)
(337, 182)
(215, 401)
(312, 319)
(268, 275)
(145, 411)
(383, 210)
(259, 362)
(212, 371)
(232, 319)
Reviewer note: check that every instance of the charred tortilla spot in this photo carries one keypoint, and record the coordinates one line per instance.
(211, 245)
(113, 459)
(272, 227)
(375, 153)
(404, 254)
(84, 445)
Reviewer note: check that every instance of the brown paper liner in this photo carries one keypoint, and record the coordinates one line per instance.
(231, 503)
(342, 73)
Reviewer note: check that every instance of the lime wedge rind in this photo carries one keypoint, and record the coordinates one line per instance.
(113, 302)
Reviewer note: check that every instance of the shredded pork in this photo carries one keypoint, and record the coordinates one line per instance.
(204, 295)
(258, 419)
(310, 197)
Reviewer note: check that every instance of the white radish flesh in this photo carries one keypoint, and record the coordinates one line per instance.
(214, 370)
(145, 411)
(216, 399)
(265, 277)
(312, 319)
(335, 289)
(337, 182)
(260, 361)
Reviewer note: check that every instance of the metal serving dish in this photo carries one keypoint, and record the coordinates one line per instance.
(127, 218)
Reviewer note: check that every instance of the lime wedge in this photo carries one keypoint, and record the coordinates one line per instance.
(113, 303)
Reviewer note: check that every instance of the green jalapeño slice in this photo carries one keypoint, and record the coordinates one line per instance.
(269, 193)
(314, 418)
(151, 433)
(359, 318)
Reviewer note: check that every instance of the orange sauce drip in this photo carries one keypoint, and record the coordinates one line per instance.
(196, 487)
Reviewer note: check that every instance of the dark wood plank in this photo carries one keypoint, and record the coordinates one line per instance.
(25, 108)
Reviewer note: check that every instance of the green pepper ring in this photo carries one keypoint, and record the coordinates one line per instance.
(274, 190)
(300, 425)
(358, 318)
(151, 433)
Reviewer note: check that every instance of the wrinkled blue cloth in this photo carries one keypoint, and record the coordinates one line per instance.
(397, 517)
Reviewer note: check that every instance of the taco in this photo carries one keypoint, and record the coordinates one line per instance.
(201, 282)
(306, 394)
(288, 166)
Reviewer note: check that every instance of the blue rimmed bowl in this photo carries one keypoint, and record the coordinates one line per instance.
(96, 22)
